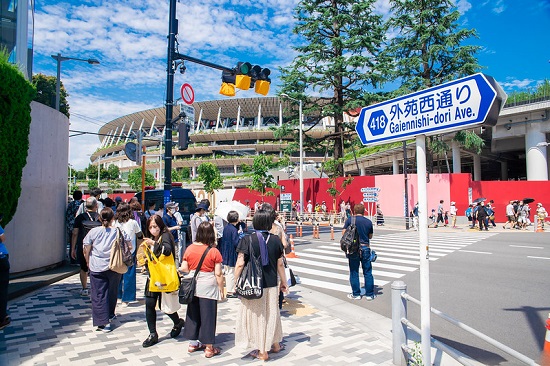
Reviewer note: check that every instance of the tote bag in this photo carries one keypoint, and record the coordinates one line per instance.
(250, 282)
(163, 276)
(116, 259)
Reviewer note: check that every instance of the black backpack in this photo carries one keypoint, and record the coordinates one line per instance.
(350, 240)
(88, 225)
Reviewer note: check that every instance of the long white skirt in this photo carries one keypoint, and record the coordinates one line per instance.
(259, 321)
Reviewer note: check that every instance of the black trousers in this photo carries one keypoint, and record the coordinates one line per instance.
(4, 281)
(200, 321)
(104, 287)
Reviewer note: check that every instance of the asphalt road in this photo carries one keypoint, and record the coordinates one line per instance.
(498, 285)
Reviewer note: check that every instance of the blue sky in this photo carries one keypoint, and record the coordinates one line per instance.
(129, 39)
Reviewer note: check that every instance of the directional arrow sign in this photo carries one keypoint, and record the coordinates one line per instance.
(453, 106)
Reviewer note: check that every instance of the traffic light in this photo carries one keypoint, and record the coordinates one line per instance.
(183, 136)
(244, 76)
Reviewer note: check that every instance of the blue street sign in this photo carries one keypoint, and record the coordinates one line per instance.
(453, 106)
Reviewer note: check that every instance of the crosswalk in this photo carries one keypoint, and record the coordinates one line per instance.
(325, 266)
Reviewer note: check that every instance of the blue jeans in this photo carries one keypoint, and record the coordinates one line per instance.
(127, 286)
(364, 259)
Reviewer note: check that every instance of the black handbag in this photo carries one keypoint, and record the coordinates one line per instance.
(250, 283)
(188, 284)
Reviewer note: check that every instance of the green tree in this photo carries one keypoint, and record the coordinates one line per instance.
(428, 50)
(16, 95)
(134, 179)
(92, 183)
(178, 175)
(210, 175)
(339, 57)
(46, 91)
(261, 179)
(114, 172)
(91, 171)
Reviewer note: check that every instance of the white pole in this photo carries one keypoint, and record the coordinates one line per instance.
(424, 249)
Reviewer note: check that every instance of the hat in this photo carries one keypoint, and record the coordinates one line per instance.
(118, 199)
(309, 201)
(453, 203)
(170, 205)
(201, 206)
(539, 204)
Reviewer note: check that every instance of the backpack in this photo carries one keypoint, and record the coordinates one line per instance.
(350, 240)
(88, 225)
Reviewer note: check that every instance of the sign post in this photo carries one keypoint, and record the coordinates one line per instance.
(471, 101)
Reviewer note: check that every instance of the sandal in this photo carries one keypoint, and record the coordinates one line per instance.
(256, 354)
(192, 349)
(281, 348)
(210, 352)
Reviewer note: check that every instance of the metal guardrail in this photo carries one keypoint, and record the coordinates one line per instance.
(400, 323)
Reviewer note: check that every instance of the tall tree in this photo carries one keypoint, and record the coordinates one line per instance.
(46, 91)
(339, 56)
(428, 50)
(114, 171)
(261, 179)
(210, 175)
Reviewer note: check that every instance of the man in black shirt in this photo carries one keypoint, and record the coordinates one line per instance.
(365, 231)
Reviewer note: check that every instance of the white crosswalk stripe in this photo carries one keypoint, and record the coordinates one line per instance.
(325, 266)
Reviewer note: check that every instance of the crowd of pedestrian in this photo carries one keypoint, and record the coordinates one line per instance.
(161, 232)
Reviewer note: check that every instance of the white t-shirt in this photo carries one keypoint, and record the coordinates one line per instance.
(453, 210)
(131, 228)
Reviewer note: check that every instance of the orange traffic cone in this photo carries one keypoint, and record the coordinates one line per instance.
(539, 225)
(545, 357)
(292, 253)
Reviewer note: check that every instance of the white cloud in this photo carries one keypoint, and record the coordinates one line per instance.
(499, 6)
(463, 6)
(512, 83)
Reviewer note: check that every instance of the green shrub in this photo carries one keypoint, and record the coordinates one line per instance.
(16, 95)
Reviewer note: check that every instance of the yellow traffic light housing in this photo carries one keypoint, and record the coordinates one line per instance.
(227, 89)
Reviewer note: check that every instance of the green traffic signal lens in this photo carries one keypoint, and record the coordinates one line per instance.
(244, 67)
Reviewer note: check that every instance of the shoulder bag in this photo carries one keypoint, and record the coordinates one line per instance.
(250, 283)
(188, 284)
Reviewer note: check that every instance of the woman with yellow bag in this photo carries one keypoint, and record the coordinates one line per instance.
(163, 277)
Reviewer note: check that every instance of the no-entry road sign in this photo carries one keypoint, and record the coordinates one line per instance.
(187, 94)
(453, 106)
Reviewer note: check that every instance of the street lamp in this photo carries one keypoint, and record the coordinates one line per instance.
(301, 153)
(59, 59)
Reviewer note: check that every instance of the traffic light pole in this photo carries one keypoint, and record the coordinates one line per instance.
(172, 31)
(179, 56)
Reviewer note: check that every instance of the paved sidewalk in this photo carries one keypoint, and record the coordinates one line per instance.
(53, 326)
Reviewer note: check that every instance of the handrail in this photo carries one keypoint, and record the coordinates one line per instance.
(399, 311)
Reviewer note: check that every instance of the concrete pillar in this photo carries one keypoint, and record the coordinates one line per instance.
(537, 164)
(193, 171)
(395, 165)
(477, 168)
(456, 157)
(504, 170)
(362, 171)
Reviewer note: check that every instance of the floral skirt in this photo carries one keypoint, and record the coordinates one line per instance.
(259, 321)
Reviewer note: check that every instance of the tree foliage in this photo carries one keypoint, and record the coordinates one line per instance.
(261, 179)
(339, 56)
(134, 179)
(46, 91)
(210, 175)
(113, 171)
(16, 95)
(429, 50)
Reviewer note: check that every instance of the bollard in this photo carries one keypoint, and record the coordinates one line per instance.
(300, 229)
(399, 330)
(317, 236)
(538, 225)
(331, 232)
(292, 253)
(297, 224)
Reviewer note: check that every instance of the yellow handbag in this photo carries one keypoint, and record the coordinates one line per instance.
(163, 276)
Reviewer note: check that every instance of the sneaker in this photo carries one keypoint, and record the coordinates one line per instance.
(105, 328)
(5, 322)
(124, 304)
(84, 292)
(370, 298)
(353, 297)
(112, 317)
